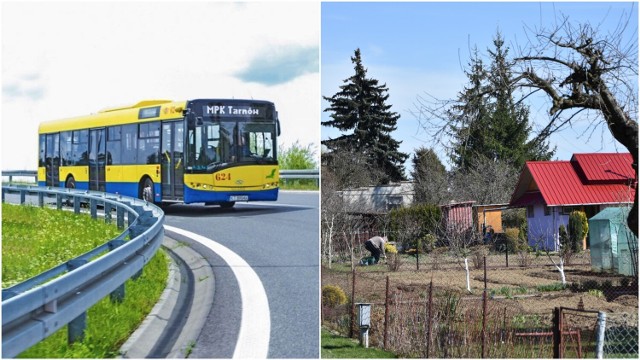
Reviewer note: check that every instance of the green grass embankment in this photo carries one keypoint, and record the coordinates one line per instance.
(36, 239)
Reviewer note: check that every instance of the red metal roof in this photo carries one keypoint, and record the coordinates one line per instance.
(605, 167)
(587, 179)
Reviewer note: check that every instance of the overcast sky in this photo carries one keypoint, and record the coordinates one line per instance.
(420, 48)
(65, 59)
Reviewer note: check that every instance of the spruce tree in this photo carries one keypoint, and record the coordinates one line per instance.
(487, 122)
(469, 117)
(509, 122)
(360, 109)
(429, 178)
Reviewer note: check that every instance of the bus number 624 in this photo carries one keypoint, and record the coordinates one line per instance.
(223, 176)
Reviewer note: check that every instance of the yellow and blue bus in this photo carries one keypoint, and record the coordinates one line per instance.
(210, 151)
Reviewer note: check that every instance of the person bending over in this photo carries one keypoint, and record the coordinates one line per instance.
(375, 245)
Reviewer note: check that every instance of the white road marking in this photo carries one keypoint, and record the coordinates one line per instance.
(255, 326)
(272, 205)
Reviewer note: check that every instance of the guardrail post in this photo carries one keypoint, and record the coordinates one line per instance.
(107, 213)
(117, 296)
(23, 196)
(93, 204)
(40, 199)
(120, 218)
(76, 204)
(59, 201)
(75, 330)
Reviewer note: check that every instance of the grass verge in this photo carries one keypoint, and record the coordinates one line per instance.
(338, 347)
(35, 239)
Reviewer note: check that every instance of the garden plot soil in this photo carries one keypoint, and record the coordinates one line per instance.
(514, 287)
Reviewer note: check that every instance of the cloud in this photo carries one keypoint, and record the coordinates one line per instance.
(29, 86)
(281, 66)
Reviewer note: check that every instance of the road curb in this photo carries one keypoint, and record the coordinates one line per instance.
(151, 333)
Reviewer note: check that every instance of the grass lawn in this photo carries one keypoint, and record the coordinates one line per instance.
(338, 347)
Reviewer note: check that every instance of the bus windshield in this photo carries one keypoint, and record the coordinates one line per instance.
(213, 144)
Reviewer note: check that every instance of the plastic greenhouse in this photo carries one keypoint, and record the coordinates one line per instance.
(614, 248)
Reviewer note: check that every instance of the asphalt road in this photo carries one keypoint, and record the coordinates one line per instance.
(280, 241)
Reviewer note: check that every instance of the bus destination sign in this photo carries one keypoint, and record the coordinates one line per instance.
(231, 110)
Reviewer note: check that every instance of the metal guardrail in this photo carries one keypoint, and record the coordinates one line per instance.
(31, 310)
(20, 173)
(300, 174)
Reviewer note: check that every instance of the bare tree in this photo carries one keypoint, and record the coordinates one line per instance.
(341, 223)
(587, 72)
(486, 181)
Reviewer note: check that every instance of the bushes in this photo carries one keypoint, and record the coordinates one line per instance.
(515, 241)
(333, 296)
(416, 222)
(390, 249)
(578, 228)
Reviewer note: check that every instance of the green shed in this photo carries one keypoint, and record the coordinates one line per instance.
(614, 248)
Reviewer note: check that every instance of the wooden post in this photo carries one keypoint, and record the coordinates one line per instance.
(429, 314)
(506, 254)
(484, 312)
(556, 333)
(353, 303)
(387, 299)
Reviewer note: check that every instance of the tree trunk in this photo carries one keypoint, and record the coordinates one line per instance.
(625, 131)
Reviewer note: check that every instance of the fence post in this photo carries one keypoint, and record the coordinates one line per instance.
(556, 332)
(386, 316)
(484, 312)
(600, 327)
(353, 302)
(430, 307)
(506, 254)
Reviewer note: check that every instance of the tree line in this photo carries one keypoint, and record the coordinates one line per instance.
(486, 130)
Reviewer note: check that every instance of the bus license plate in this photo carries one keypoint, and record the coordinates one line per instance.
(239, 198)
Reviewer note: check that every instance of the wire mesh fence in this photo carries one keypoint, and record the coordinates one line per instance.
(621, 337)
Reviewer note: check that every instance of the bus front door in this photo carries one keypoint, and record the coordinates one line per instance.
(172, 161)
(97, 159)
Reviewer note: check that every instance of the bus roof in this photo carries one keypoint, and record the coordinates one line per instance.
(159, 110)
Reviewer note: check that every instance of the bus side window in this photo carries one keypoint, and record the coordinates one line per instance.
(65, 148)
(113, 145)
(149, 143)
(129, 138)
(80, 148)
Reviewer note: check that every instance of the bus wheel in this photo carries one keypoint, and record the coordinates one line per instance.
(71, 183)
(227, 204)
(146, 190)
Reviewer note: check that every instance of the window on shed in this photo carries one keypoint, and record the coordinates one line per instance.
(530, 211)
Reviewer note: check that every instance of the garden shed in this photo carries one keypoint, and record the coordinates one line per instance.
(613, 246)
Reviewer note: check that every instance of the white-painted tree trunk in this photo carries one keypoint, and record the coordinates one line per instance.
(466, 267)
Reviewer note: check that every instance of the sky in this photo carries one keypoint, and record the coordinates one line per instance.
(66, 59)
(421, 50)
